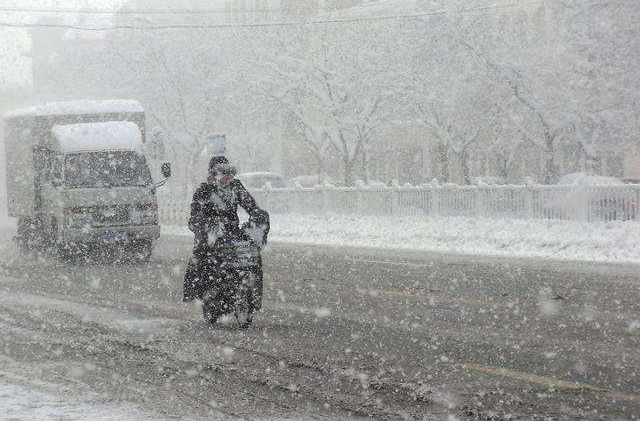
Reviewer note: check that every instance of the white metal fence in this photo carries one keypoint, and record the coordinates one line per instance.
(604, 203)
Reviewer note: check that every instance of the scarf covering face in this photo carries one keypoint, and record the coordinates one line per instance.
(223, 197)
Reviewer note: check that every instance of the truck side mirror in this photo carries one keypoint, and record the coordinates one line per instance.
(166, 170)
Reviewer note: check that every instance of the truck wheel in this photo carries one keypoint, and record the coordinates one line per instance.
(20, 233)
(67, 252)
(25, 237)
(63, 251)
(53, 239)
(141, 250)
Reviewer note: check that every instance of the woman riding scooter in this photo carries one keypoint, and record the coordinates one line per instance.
(214, 211)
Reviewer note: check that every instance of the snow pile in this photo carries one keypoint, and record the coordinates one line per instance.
(110, 317)
(391, 7)
(598, 241)
(20, 403)
(107, 136)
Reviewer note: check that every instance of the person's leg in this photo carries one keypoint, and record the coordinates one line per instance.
(190, 280)
(258, 287)
(193, 274)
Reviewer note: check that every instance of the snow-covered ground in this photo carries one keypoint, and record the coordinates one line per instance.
(615, 242)
(25, 403)
(554, 239)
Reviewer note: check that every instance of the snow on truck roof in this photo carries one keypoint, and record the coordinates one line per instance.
(111, 106)
(107, 136)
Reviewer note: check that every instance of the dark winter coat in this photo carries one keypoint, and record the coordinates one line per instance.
(214, 208)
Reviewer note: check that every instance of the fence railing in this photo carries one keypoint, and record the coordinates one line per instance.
(578, 203)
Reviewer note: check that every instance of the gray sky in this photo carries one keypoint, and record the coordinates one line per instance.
(15, 67)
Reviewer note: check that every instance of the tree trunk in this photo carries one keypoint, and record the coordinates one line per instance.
(320, 169)
(348, 173)
(593, 164)
(365, 165)
(443, 157)
(464, 161)
(551, 169)
(348, 160)
(194, 176)
(503, 165)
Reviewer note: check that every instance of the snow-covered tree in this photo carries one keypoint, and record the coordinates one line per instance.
(337, 95)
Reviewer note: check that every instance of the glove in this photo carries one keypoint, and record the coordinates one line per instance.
(213, 233)
(256, 232)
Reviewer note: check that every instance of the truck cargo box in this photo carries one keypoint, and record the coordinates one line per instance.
(27, 137)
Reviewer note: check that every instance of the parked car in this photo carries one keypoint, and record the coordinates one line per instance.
(487, 181)
(305, 180)
(609, 206)
(258, 180)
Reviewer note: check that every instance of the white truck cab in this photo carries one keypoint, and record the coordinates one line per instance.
(78, 177)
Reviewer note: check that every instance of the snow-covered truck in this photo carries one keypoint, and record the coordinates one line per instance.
(77, 177)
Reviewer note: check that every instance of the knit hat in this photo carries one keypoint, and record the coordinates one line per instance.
(217, 161)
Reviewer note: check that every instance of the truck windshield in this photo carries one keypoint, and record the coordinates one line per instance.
(106, 169)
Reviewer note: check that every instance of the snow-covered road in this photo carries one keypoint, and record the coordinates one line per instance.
(345, 333)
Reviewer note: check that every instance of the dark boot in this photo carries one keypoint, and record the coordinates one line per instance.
(257, 291)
